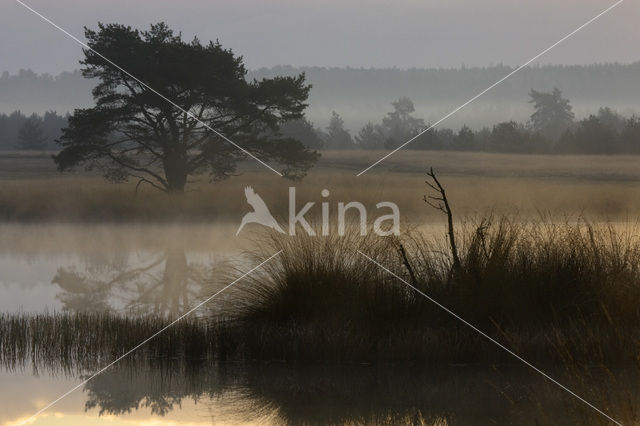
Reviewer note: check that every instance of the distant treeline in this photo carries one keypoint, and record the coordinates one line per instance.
(595, 82)
(362, 94)
(34, 132)
(552, 128)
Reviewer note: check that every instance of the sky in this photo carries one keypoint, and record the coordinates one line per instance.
(355, 33)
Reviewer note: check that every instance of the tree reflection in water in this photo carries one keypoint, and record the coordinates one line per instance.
(160, 284)
(330, 394)
(168, 284)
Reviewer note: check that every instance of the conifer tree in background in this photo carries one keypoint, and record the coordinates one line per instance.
(337, 137)
(31, 135)
(553, 114)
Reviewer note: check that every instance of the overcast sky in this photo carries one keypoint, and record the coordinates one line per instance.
(357, 33)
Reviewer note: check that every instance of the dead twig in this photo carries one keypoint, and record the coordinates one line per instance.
(440, 202)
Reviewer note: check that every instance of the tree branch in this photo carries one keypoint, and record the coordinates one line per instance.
(446, 209)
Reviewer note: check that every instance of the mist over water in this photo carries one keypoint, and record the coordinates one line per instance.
(116, 268)
(518, 253)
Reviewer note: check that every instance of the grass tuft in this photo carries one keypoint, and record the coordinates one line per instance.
(564, 293)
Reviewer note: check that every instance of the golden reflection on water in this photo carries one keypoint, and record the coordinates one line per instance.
(190, 413)
(61, 419)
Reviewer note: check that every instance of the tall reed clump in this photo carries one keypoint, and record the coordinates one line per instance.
(532, 272)
(76, 343)
(550, 290)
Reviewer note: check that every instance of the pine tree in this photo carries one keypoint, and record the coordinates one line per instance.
(31, 135)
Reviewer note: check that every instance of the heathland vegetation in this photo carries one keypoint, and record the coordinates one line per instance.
(554, 293)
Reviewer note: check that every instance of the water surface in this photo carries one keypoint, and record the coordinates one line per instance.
(165, 270)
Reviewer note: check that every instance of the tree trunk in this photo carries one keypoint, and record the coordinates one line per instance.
(175, 282)
(177, 184)
(175, 170)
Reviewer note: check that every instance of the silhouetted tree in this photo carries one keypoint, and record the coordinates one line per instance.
(552, 115)
(400, 125)
(370, 137)
(11, 124)
(629, 141)
(445, 138)
(464, 139)
(611, 119)
(427, 140)
(482, 138)
(31, 136)
(591, 136)
(132, 132)
(52, 125)
(9, 127)
(336, 136)
(509, 137)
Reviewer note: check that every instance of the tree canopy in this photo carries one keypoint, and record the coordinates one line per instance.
(399, 125)
(336, 136)
(131, 132)
(302, 130)
(553, 114)
(31, 135)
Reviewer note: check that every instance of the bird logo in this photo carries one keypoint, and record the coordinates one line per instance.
(260, 213)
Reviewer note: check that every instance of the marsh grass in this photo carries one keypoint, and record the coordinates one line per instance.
(77, 343)
(565, 293)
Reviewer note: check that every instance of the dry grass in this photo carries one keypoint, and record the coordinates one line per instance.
(554, 292)
(598, 186)
(575, 167)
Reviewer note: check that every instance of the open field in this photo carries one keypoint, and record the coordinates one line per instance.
(600, 187)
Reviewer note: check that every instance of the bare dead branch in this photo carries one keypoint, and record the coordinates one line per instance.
(446, 209)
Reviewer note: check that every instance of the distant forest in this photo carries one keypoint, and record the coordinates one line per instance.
(34, 132)
(551, 129)
(361, 95)
(527, 114)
